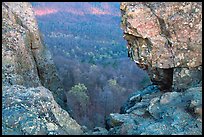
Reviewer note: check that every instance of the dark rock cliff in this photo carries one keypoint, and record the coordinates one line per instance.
(31, 86)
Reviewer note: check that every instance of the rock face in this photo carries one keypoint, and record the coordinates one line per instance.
(25, 60)
(165, 38)
(29, 79)
(152, 112)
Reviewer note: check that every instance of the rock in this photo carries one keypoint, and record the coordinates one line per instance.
(114, 131)
(125, 125)
(135, 99)
(154, 108)
(25, 59)
(139, 111)
(198, 111)
(157, 129)
(185, 78)
(194, 97)
(127, 129)
(137, 106)
(166, 40)
(161, 114)
(33, 111)
(32, 94)
(169, 97)
(99, 131)
(117, 120)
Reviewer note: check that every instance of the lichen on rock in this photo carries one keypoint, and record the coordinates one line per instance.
(32, 94)
(169, 113)
(33, 111)
(26, 61)
(165, 39)
(162, 36)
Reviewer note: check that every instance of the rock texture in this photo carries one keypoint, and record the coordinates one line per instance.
(165, 38)
(152, 112)
(29, 78)
(25, 60)
(33, 111)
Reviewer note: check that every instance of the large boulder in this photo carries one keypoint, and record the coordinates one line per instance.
(33, 111)
(165, 38)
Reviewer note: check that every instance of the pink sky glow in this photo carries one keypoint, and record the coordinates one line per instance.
(90, 10)
(45, 11)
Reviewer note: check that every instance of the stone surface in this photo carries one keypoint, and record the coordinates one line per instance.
(33, 111)
(32, 94)
(158, 113)
(186, 77)
(138, 100)
(99, 131)
(117, 120)
(25, 60)
(163, 36)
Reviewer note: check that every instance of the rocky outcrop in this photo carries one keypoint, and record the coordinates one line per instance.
(29, 79)
(152, 112)
(33, 111)
(165, 38)
(26, 61)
